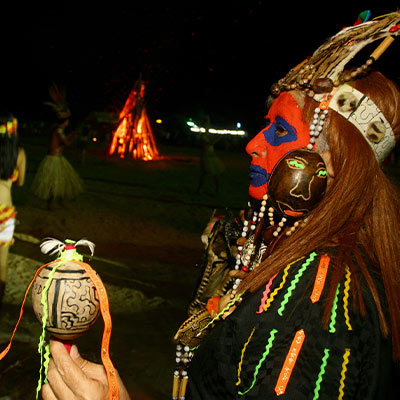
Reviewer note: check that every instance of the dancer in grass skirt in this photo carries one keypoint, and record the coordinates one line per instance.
(56, 179)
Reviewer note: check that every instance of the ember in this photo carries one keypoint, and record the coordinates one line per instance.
(134, 134)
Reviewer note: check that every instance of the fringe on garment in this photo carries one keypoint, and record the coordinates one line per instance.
(56, 179)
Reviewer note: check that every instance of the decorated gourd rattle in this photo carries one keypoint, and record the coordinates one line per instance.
(63, 295)
(67, 297)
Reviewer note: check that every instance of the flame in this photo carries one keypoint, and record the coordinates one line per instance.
(134, 134)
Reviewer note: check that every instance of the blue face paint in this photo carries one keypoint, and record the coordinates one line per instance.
(271, 136)
(258, 176)
(285, 131)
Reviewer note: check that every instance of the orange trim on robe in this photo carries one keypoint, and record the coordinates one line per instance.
(320, 278)
(290, 362)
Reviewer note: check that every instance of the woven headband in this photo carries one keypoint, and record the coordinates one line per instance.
(365, 115)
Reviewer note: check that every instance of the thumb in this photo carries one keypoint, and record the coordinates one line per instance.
(74, 353)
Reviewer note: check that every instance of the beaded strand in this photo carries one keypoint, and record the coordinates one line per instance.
(244, 264)
(316, 126)
(282, 223)
(183, 357)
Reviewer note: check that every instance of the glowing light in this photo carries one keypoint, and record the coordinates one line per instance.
(134, 134)
(199, 129)
(94, 139)
(227, 132)
(158, 121)
(218, 131)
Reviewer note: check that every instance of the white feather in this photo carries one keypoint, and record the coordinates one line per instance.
(52, 246)
(84, 242)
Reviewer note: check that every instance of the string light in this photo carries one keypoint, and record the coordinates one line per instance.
(195, 128)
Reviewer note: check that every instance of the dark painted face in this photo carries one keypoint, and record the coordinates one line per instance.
(285, 131)
(297, 183)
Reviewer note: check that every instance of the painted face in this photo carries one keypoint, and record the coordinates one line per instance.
(285, 131)
(297, 183)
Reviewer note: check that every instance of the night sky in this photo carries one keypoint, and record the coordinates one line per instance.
(219, 57)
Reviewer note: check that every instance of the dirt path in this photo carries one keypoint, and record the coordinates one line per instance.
(141, 288)
(145, 220)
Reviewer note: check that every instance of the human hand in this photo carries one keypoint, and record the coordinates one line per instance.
(70, 377)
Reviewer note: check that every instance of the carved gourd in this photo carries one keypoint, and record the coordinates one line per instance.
(71, 300)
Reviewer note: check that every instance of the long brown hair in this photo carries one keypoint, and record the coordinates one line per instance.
(361, 209)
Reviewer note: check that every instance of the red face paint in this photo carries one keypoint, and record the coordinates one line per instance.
(285, 131)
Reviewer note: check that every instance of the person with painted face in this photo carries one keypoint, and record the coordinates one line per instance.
(311, 307)
(286, 130)
(317, 316)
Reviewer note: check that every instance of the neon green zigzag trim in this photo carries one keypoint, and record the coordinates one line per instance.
(332, 324)
(43, 349)
(274, 293)
(264, 356)
(294, 282)
(227, 307)
(321, 374)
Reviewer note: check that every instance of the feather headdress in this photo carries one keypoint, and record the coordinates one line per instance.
(323, 70)
(323, 77)
(59, 101)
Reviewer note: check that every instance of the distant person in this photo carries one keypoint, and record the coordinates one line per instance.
(56, 179)
(12, 170)
(211, 167)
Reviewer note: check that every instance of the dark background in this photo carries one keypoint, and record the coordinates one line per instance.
(219, 57)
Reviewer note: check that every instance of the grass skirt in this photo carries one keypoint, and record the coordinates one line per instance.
(56, 179)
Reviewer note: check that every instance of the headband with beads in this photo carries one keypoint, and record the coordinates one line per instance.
(321, 77)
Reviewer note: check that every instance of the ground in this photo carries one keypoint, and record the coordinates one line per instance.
(145, 219)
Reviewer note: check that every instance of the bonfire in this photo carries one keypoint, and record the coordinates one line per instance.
(134, 135)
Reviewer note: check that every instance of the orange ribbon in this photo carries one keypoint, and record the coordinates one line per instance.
(290, 362)
(105, 312)
(320, 278)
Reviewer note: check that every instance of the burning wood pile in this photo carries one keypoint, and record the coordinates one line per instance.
(134, 135)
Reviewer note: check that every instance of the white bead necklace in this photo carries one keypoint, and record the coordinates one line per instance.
(316, 126)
